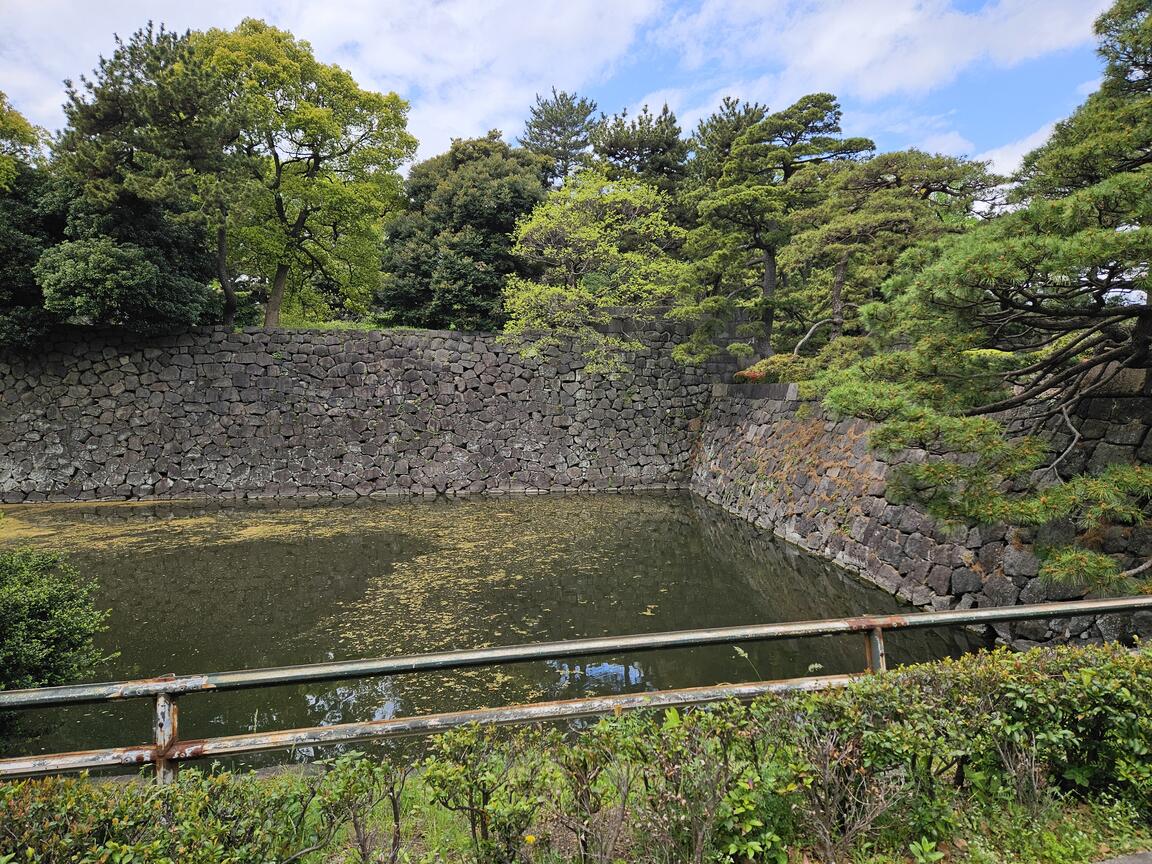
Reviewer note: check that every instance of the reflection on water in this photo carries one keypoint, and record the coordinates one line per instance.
(196, 587)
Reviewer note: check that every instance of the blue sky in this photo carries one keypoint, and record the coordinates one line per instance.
(982, 78)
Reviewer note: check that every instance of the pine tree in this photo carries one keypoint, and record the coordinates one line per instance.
(647, 146)
(559, 128)
(747, 218)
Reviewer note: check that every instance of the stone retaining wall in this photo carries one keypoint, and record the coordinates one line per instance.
(785, 466)
(272, 413)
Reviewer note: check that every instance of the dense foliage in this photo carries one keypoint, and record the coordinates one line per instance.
(319, 171)
(1037, 757)
(135, 254)
(986, 341)
(48, 618)
(198, 173)
(600, 248)
(648, 147)
(448, 254)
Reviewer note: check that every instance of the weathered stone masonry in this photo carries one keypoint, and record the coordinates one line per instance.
(785, 466)
(264, 413)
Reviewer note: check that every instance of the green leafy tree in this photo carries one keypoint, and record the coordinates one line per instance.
(647, 146)
(1029, 313)
(322, 157)
(446, 256)
(30, 222)
(748, 217)
(18, 140)
(49, 621)
(558, 128)
(601, 248)
(136, 253)
(865, 216)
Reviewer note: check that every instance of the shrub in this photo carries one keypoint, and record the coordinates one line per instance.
(203, 818)
(48, 620)
(496, 781)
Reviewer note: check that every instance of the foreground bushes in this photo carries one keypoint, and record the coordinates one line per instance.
(1044, 756)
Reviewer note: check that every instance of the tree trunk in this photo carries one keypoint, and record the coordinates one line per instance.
(838, 298)
(276, 298)
(225, 279)
(763, 344)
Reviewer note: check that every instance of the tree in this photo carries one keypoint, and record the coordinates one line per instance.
(28, 225)
(446, 256)
(747, 218)
(864, 218)
(990, 341)
(648, 146)
(137, 251)
(1109, 133)
(601, 248)
(715, 136)
(322, 157)
(18, 140)
(559, 128)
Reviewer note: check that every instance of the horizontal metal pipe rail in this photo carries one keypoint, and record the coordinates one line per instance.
(167, 750)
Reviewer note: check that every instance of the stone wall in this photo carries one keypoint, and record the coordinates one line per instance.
(785, 466)
(259, 413)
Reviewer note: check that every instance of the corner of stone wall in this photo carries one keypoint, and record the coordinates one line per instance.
(813, 480)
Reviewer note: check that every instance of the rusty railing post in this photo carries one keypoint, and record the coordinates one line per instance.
(166, 730)
(874, 650)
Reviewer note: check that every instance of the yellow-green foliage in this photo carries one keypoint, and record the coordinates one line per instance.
(601, 247)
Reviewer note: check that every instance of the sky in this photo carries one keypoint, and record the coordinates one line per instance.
(978, 78)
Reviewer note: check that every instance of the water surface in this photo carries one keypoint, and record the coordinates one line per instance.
(196, 587)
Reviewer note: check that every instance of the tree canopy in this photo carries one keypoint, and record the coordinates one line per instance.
(135, 255)
(559, 128)
(601, 249)
(18, 139)
(321, 167)
(748, 216)
(647, 146)
(30, 221)
(448, 253)
(987, 341)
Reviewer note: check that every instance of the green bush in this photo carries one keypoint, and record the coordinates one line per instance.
(48, 620)
(204, 818)
(1039, 757)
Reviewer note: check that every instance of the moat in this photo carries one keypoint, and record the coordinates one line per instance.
(199, 587)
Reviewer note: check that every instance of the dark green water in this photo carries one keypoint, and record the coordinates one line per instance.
(197, 588)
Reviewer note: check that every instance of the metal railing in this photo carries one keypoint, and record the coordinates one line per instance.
(167, 751)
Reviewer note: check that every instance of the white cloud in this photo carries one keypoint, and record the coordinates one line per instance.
(870, 48)
(471, 65)
(950, 143)
(1089, 87)
(1007, 158)
(466, 67)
